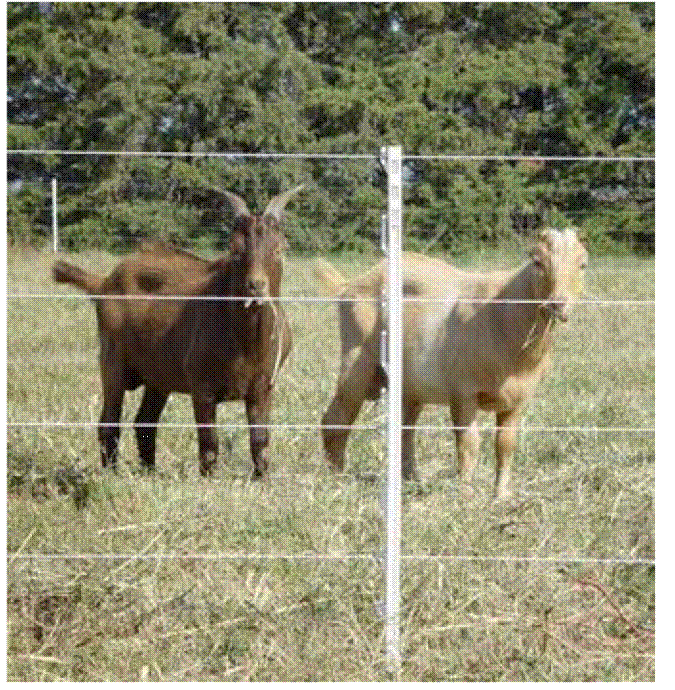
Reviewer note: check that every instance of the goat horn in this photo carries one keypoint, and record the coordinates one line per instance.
(238, 204)
(277, 203)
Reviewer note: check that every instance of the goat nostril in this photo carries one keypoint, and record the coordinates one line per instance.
(557, 310)
(257, 286)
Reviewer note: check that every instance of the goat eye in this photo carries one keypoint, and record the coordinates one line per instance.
(237, 246)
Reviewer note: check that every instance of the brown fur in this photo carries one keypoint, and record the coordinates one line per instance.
(483, 344)
(212, 349)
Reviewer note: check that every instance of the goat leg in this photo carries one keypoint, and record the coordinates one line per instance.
(205, 417)
(353, 388)
(109, 423)
(505, 443)
(468, 442)
(411, 411)
(258, 406)
(145, 425)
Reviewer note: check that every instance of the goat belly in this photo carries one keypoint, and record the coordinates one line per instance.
(423, 378)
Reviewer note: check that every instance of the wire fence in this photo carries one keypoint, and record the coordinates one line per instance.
(449, 200)
(607, 413)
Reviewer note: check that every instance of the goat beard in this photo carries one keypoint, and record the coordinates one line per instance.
(258, 301)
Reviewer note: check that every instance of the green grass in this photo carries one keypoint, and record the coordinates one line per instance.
(168, 608)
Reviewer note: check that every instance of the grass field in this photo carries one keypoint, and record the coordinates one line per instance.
(122, 577)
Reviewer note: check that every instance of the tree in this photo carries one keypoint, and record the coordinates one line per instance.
(532, 79)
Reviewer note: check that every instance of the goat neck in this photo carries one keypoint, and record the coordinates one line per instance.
(537, 317)
(517, 310)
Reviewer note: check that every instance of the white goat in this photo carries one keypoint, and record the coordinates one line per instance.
(471, 341)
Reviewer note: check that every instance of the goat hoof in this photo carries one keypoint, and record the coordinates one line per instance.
(206, 470)
(207, 463)
(336, 465)
(259, 471)
(409, 476)
(467, 492)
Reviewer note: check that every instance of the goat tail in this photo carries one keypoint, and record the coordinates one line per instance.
(63, 272)
(332, 280)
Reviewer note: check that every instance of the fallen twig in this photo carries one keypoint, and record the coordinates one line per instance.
(635, 628)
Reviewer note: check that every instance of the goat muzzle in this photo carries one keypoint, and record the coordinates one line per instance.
(258, 291)
(555, 310)
(255, 299)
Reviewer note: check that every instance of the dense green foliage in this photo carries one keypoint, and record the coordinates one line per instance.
(530, 79)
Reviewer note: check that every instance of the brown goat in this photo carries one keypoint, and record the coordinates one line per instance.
(227, 346)
(471, 341)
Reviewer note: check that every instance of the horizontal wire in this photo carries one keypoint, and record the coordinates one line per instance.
(322, 300)
(566, 559)
(531, 559)
(186, 298)
(171, 425)
(597, 186)
(205, 556)
(92, 359)
(190, 154)
(528, 159)
(356, 156)
(479, 210)
(575, 429)
(343, 427)
(82, 361)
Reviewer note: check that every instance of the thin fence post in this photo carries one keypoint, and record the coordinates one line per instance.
(55, 218)
(393, 156)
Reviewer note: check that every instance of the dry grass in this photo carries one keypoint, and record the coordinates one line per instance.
(523, 590)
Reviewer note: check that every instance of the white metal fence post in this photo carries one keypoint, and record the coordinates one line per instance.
(394, 414)
(55, 217)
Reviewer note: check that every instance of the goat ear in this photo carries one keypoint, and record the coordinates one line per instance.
(278, 203)
(547, 239)
(238, 204)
